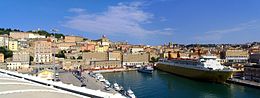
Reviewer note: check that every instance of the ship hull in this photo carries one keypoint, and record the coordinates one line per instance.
(205, 75)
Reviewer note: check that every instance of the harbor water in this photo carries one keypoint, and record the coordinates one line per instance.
(165, 85)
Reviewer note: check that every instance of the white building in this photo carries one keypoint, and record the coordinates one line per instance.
(43, 51)
(14, 65)
(136, 49)
(31, 35)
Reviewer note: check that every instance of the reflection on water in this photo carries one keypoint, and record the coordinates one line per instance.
(164, 85)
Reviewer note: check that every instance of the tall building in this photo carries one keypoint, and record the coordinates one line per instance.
(13, 45)
(42, 52)
(4, 40)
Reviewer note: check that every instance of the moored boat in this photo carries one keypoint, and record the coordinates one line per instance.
(116, 87)
(130, 94)
(146, 69)
(205, 68)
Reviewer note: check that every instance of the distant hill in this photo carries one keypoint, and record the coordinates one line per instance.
(8, 30)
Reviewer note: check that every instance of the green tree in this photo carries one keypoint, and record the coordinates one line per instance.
(61, 54)
(7, 53)
(80, 57)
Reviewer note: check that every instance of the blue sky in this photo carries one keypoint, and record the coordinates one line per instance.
(150, 22)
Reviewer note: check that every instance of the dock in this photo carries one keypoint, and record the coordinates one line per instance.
(244, 82)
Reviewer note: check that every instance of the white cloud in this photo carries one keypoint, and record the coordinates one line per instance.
(219, 34)
(124, 18)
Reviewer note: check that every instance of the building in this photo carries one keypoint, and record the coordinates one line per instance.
(88, 47)
(23, 43)
(16, 65)
(236, 56)
(115, 55)
(252, 73)
(2, 58)
(42, 51)
(100, 48)
(73, 39)
(13, 45)
(21, 56)
(136, 49)
(254, 58)
(19, 35)
(4, 40)
(135, 59)
(106, 64)
(25, 35)
(105, 41)
(95, 56)
(65, 45)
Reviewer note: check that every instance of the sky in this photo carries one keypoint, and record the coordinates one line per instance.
(150, 22)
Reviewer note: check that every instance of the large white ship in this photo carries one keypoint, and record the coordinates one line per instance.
(205, 68)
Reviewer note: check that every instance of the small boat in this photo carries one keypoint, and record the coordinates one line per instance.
(121, 88)
(130, 93)
(107, 88)
(116, 87)
(146, 69)
(106, 82)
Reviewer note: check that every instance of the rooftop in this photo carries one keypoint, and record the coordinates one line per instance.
(11, 87)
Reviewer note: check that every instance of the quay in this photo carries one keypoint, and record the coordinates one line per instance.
(114, 70)
(61, 86)
(244, 82)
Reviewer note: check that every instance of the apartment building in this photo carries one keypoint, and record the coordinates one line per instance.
(13, 45)
(42, 51)
(135, 59)
(236, 56)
